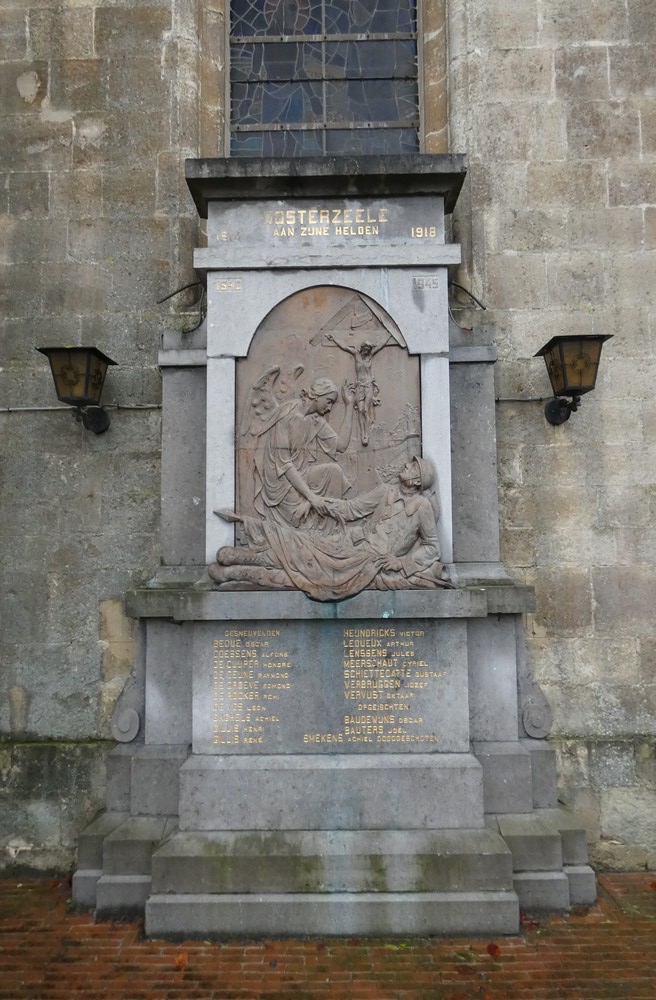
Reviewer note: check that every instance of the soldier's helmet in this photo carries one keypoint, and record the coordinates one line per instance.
(426, 472)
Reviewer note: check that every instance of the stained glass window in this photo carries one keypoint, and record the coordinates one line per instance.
(315, 77)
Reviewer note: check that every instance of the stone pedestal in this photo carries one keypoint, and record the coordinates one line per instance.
(314, 755)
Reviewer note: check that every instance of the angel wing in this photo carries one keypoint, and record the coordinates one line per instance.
(261, 403)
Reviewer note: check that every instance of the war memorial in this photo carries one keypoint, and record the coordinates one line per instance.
(341, 731)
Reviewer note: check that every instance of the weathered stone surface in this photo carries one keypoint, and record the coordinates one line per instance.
(333, 861)
(601, 21)
(66, 30)
(320, 792)
(612, 765)
(13, 42)
(49, 792)
(377, 914)
(582, 73)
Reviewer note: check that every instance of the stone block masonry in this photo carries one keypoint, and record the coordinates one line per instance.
(556, 240)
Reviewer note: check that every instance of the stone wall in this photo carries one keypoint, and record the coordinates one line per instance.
(99, 105)
(554, 103)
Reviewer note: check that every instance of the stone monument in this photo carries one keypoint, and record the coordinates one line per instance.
(332, 728)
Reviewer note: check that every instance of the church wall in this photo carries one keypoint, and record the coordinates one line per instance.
(555, 108)
(101, 102)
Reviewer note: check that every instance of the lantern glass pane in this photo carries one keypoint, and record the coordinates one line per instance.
(581, 360)
(554, 364)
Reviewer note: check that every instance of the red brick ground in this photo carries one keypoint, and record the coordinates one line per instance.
(50, 953)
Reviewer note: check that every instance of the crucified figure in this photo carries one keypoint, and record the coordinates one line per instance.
(366, 391)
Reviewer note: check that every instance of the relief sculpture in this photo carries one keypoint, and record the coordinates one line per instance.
(318, 508)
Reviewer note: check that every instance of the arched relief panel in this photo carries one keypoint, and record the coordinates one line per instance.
(395, 402)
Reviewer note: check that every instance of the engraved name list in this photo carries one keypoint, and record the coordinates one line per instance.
(358, 689)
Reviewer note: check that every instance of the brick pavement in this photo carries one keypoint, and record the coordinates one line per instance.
(48, 952)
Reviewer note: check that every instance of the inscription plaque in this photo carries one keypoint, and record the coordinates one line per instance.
(331, 687)
(328, 222)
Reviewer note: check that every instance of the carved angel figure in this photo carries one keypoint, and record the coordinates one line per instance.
(295, 459)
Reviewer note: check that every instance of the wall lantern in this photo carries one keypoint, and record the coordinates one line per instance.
(572, 363)
(79, 375)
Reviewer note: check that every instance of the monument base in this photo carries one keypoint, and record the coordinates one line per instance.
(340, 792)
(360, 768)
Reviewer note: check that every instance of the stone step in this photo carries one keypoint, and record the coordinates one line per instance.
(92, 838)
(83, 892)
(582, 885)
(129, 848)
(544, 840)
(333, 861)
(543, 892)
(534, 841)
(121, 896)
(376, 914)
(573, 836)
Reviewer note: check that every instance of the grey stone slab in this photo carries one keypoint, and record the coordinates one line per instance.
(119, 776)
(210, 179)
(321, 687)
(534, 842)
(121, 896)
(491, 646)
(582, 885)
(92, 838)
(544, 773)
(514, 600)
(490, 573)
(182, 529)
(168, 683)
(211, 605)
(333, 861)
(128, 850)
(83, 890)
(372, 914)
(546, 892)
(473, 440)
(507, 780)
(182, 358)
(471, 353)
(358, 253)
(367, 791)
(155, 782)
